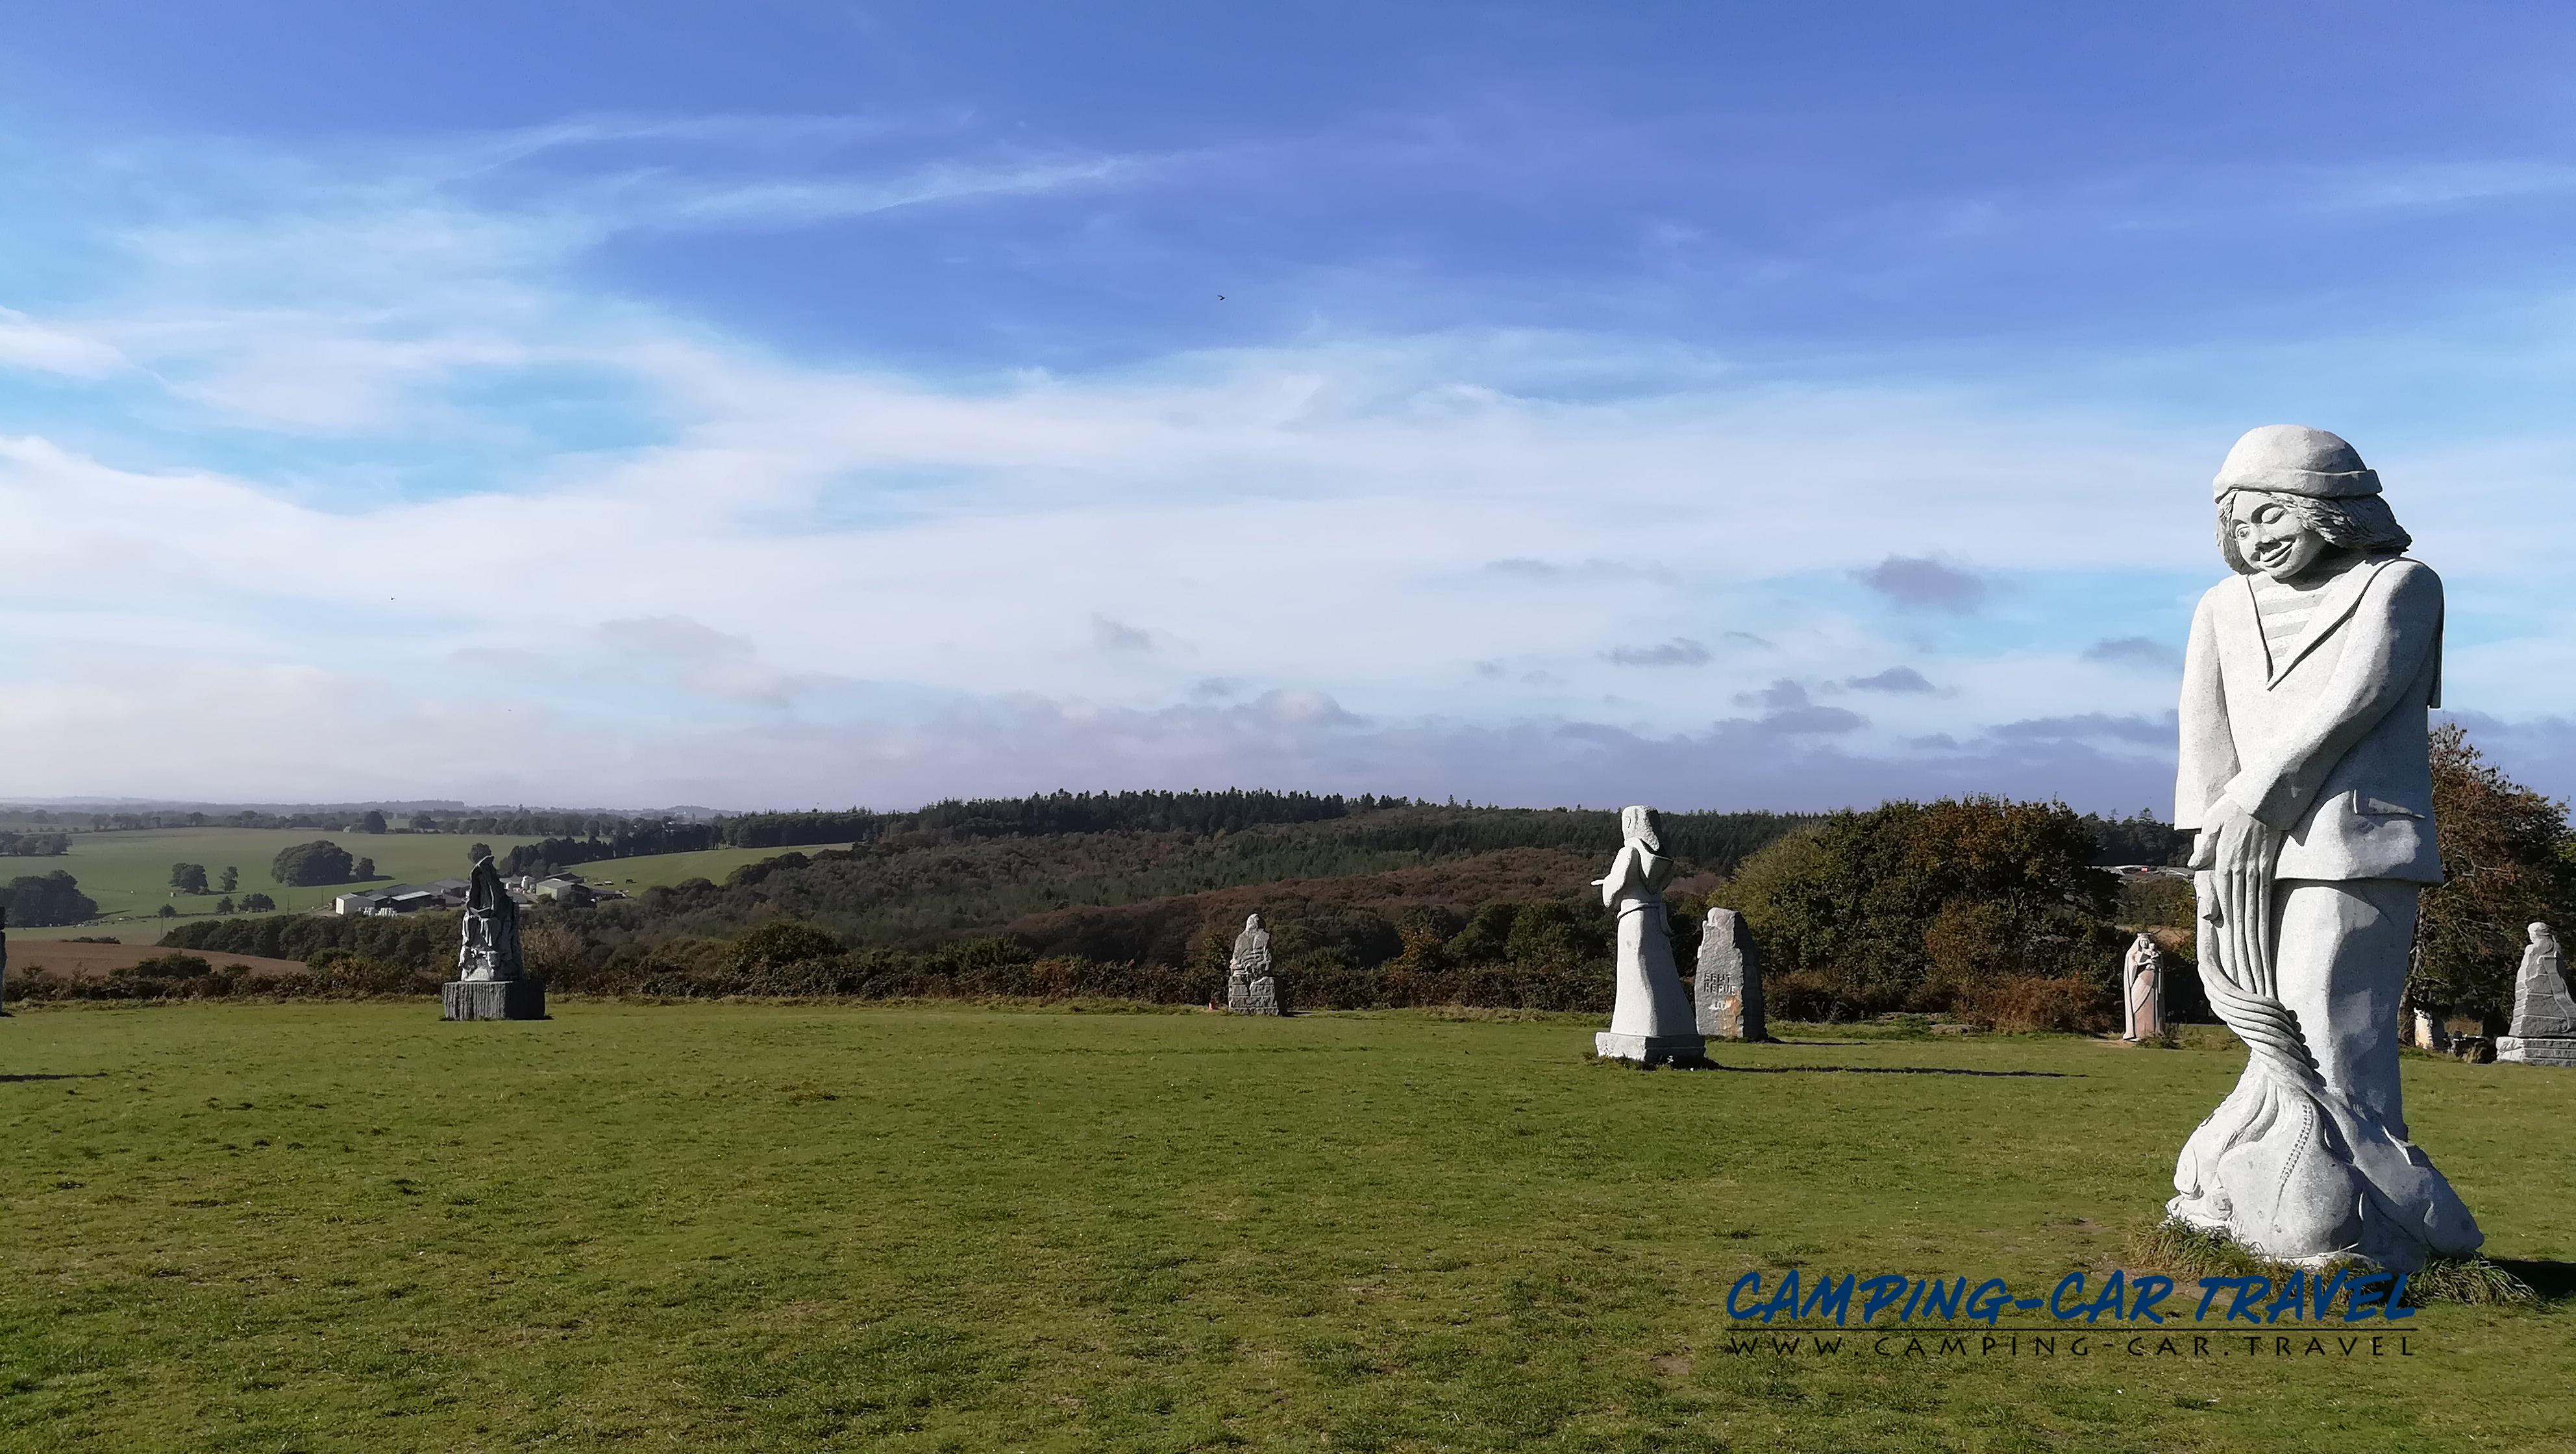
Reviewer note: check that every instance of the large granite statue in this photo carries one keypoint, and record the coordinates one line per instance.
(2304, 770)
(1251, 981)
(1651, 1021)
(491, 979)
(2142, 990)
(2544, 1018)
(1727, 991)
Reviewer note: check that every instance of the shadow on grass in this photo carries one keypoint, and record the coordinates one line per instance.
(2550, 1280)
(1896, 1070)
(83, 1075)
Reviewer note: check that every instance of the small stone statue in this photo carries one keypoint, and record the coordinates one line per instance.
(2304, 768)
(2544, 1017)
(1251, 988)
(1651, 1021)
(1728, 988)
(2142, 990)
(491, 980)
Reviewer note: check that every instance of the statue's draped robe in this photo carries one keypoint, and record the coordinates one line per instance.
(1650, 1000)
(2321, 736)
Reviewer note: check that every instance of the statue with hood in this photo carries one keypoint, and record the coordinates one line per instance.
(491, 977)
(2304, 769)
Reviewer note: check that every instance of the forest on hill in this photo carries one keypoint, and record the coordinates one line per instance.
(1997, 911)
(1371, 901)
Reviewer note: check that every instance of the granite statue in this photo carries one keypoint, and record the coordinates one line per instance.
(2142, 990)
(1251, 980)
(1727, 991)
(1651, 1020)
(2304, 769)
(491, 975)
(2544, 1017)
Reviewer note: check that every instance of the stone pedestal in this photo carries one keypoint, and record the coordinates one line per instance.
(1262, 997)
(1727, 990)
(494, 999)
(2536, 1049)
(1650, 1049)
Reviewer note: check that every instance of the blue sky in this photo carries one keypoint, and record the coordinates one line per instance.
(789, 403)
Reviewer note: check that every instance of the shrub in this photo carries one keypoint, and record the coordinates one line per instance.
(165, 966)
(783, 942)
(2041, 1004)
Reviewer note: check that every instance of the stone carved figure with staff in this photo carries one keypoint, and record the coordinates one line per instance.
(2304, 769)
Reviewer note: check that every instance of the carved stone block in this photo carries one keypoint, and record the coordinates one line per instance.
(494, 999)
(1727, 992)
(2536, 1049)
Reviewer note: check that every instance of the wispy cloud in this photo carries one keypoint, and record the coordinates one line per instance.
(27, 345)
(1680, 651)
(2135, 651)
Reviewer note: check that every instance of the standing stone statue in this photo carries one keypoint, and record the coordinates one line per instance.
(1251, 986)
(2142, 990)
(1728, 988)
(2304, 770)
(2544, 1018)
(491, 980)
(1651, 1021)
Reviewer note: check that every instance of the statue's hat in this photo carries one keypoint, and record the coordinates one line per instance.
(2294, 460)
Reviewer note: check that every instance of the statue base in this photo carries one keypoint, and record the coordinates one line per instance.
(494, 999)
(1651, 1049)
(2536, 1049)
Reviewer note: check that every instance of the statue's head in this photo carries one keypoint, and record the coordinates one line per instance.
(2542, 935)
(1642, 825)
(2290, 497)
(1252, 921)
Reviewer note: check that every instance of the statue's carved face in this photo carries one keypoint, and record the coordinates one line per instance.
(2271, 537)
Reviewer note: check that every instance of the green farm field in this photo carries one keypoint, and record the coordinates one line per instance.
(318, 1227)
(713, 864)
(128, 873)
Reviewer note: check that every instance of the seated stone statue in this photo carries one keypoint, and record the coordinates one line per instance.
(1249, 963)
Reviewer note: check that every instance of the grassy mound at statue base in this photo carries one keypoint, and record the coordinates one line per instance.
(347, 1225)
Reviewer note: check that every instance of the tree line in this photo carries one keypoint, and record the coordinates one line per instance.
(1983, 908)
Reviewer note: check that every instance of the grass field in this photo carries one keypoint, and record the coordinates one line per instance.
(345, 1227)
(631, 874)
(128, 873)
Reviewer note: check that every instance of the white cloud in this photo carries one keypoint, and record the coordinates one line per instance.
(1403, 559)
(25, 344)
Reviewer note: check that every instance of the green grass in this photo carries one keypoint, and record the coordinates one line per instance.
(128, 873)
(713, 864)
(351, 1227)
